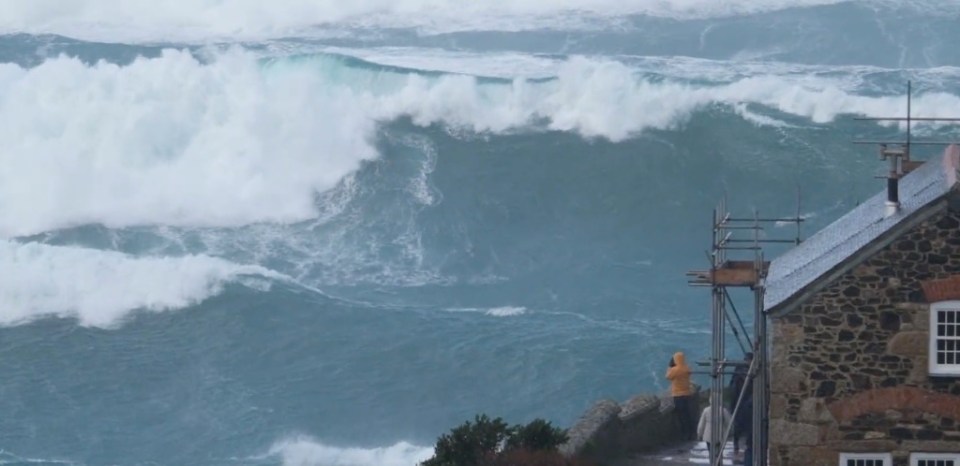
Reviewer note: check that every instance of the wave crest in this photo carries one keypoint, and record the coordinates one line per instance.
(100, 288)
(303, 451)
(175, 141)
(171, 141)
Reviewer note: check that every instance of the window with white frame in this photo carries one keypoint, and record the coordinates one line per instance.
(866, 459)
(945, 338)
(935, 459)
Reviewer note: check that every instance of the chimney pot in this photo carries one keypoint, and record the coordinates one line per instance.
(892, 208)
(893, 195)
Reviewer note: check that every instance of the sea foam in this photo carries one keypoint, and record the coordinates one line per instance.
(304, 451)
(176, 141)
(100, 288)
(171, 141)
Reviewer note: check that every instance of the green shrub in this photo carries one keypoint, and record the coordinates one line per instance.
(470, 443)
(491, 442)
(534, 458)
(537, 435)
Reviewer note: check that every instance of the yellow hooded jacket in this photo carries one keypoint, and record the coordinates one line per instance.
(679, 376)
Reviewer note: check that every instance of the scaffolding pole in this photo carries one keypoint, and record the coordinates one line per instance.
(761, 392)
(725, 273)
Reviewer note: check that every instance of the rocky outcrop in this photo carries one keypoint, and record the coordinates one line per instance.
(610, 430)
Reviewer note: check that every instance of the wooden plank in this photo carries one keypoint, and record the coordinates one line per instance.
(738, 276)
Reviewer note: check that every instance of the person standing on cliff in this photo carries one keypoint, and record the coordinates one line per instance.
(682, 391)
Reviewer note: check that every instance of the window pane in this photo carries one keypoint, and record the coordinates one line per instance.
(951, 316)
(941, 357)
(936, 462)
(941, 345)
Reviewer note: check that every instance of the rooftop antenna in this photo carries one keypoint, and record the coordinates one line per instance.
(899, 157)
(909, 101)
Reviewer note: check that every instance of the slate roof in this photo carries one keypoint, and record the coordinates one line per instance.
(833, 249)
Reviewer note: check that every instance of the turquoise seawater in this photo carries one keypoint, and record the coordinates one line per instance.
(317, 234)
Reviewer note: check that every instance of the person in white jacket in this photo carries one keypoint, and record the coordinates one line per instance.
(704, 427)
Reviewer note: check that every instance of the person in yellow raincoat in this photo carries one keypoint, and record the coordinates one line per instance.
(682, 391)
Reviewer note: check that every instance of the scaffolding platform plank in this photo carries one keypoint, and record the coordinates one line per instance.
(731, 273)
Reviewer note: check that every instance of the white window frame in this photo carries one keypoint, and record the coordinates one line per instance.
(886, 458)
(944, 369)
(915, 458)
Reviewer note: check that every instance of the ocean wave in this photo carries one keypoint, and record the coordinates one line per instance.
(511, 65)
(500, 311)
(10, 458)
(100, 288)
(304, 451)
(758, 119)
(171, 141)
(506, 311)
(141, 19)
(176, 141)
(502, 65)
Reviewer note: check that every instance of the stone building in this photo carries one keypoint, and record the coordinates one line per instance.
(864, 326)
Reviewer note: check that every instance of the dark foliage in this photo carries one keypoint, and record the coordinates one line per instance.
(470, 443)
(491, 442)
(534, 458)
(537, 435)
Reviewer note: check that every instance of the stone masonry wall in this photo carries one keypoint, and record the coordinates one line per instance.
(850, 364)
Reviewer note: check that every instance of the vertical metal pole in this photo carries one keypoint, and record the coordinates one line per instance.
(716, 382)
(909, 98)
(797, 241)
(717, 331)
(758, 421)
(760, 393)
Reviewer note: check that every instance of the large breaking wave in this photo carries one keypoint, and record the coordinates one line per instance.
(478, 206)
(177, 140)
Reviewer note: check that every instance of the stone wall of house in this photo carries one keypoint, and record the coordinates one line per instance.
(850, 364)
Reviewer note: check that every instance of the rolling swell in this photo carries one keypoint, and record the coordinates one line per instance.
(173, 138)
(318, 251)
(885, 33)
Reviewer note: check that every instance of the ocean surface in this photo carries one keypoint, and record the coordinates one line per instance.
(312, 232)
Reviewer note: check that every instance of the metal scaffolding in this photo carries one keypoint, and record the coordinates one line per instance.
(749, 273)
(742, 237)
